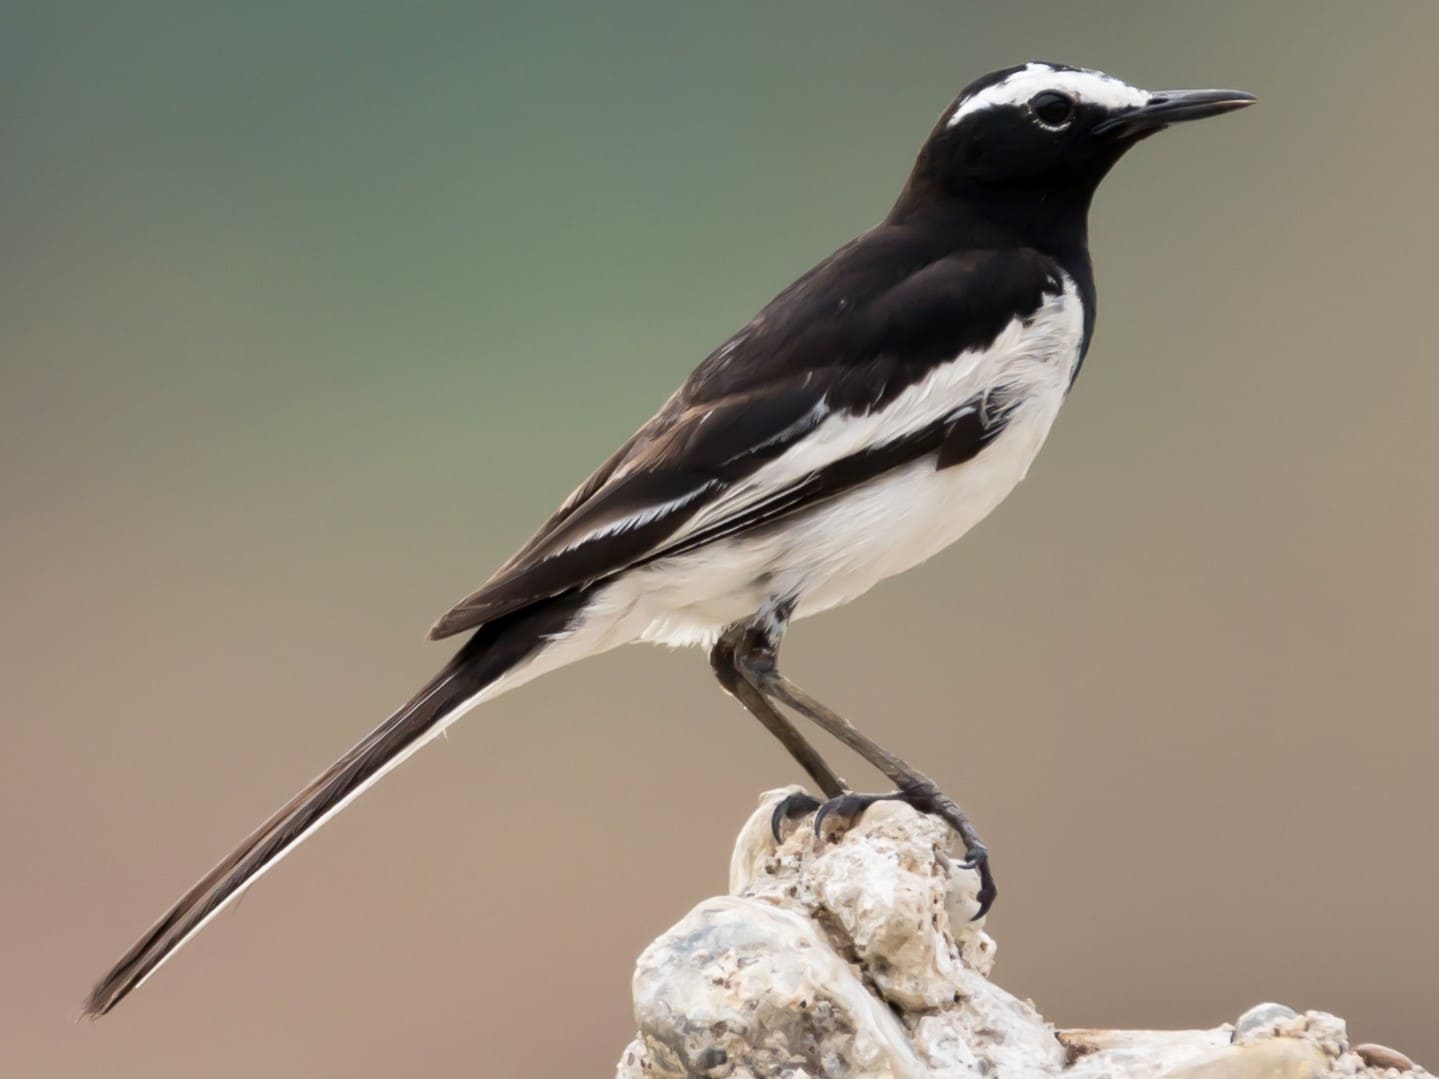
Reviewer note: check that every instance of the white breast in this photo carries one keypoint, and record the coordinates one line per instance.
(844, 547)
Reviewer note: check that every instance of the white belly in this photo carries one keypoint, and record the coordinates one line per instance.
(910, 515)
(836, 552)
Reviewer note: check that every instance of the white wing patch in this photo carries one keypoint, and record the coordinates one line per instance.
(659, 509)
(1086, 87)
(636, 520)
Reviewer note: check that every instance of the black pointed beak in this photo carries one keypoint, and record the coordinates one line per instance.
(1172, 107)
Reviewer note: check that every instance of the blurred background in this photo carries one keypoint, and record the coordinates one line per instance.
(311, 311)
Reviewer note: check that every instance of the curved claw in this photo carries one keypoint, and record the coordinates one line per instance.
(791, 807)
(849, 807)
(987, 891)
(824, 811)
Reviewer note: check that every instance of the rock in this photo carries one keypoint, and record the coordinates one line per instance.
(1114, 1045)
(1278, 1059)
(740, 981)
(856, 958)
(1381, 1056)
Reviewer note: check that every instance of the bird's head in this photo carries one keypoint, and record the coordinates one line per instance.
(1049, 130)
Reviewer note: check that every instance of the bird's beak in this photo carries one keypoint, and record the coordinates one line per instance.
(1172, 107)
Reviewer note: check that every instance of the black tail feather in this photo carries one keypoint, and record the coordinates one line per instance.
(494, 650)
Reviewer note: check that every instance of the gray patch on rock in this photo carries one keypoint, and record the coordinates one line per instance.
(1262, 1017)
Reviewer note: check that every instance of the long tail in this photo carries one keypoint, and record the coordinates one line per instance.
(495, 650)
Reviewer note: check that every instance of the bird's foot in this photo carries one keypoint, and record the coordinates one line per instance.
(845, 808)
(842, 812)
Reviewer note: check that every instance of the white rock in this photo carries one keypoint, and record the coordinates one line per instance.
(856, 959)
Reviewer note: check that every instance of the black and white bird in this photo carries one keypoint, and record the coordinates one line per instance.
(870, 415)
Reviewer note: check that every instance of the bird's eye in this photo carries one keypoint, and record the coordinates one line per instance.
(1052, 108)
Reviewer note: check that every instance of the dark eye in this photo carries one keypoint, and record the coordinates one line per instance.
(1052, 108)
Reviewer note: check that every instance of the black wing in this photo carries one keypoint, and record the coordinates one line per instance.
(847, 338)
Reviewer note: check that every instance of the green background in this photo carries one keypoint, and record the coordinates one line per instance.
(311, 311)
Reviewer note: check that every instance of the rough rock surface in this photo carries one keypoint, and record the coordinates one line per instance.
(854, 957)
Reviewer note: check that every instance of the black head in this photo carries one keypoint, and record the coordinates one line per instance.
(1046, 133)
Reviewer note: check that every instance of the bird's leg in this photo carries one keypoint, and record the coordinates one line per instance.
(723, 660)
(756, 657)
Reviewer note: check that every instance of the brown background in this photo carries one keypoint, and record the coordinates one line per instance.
(310, 312)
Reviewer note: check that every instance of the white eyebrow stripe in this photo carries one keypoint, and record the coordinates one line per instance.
(1087, 87)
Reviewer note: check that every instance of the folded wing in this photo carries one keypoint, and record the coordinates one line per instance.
(795, 409)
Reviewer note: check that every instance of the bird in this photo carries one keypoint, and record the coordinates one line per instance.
(866, 418)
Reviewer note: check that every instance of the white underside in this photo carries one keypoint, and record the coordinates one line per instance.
(832, 554)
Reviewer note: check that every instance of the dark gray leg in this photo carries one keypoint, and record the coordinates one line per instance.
(723, 660)
(756, 656)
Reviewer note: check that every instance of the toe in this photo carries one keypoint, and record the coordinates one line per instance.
(847, 809)
(791, 807)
